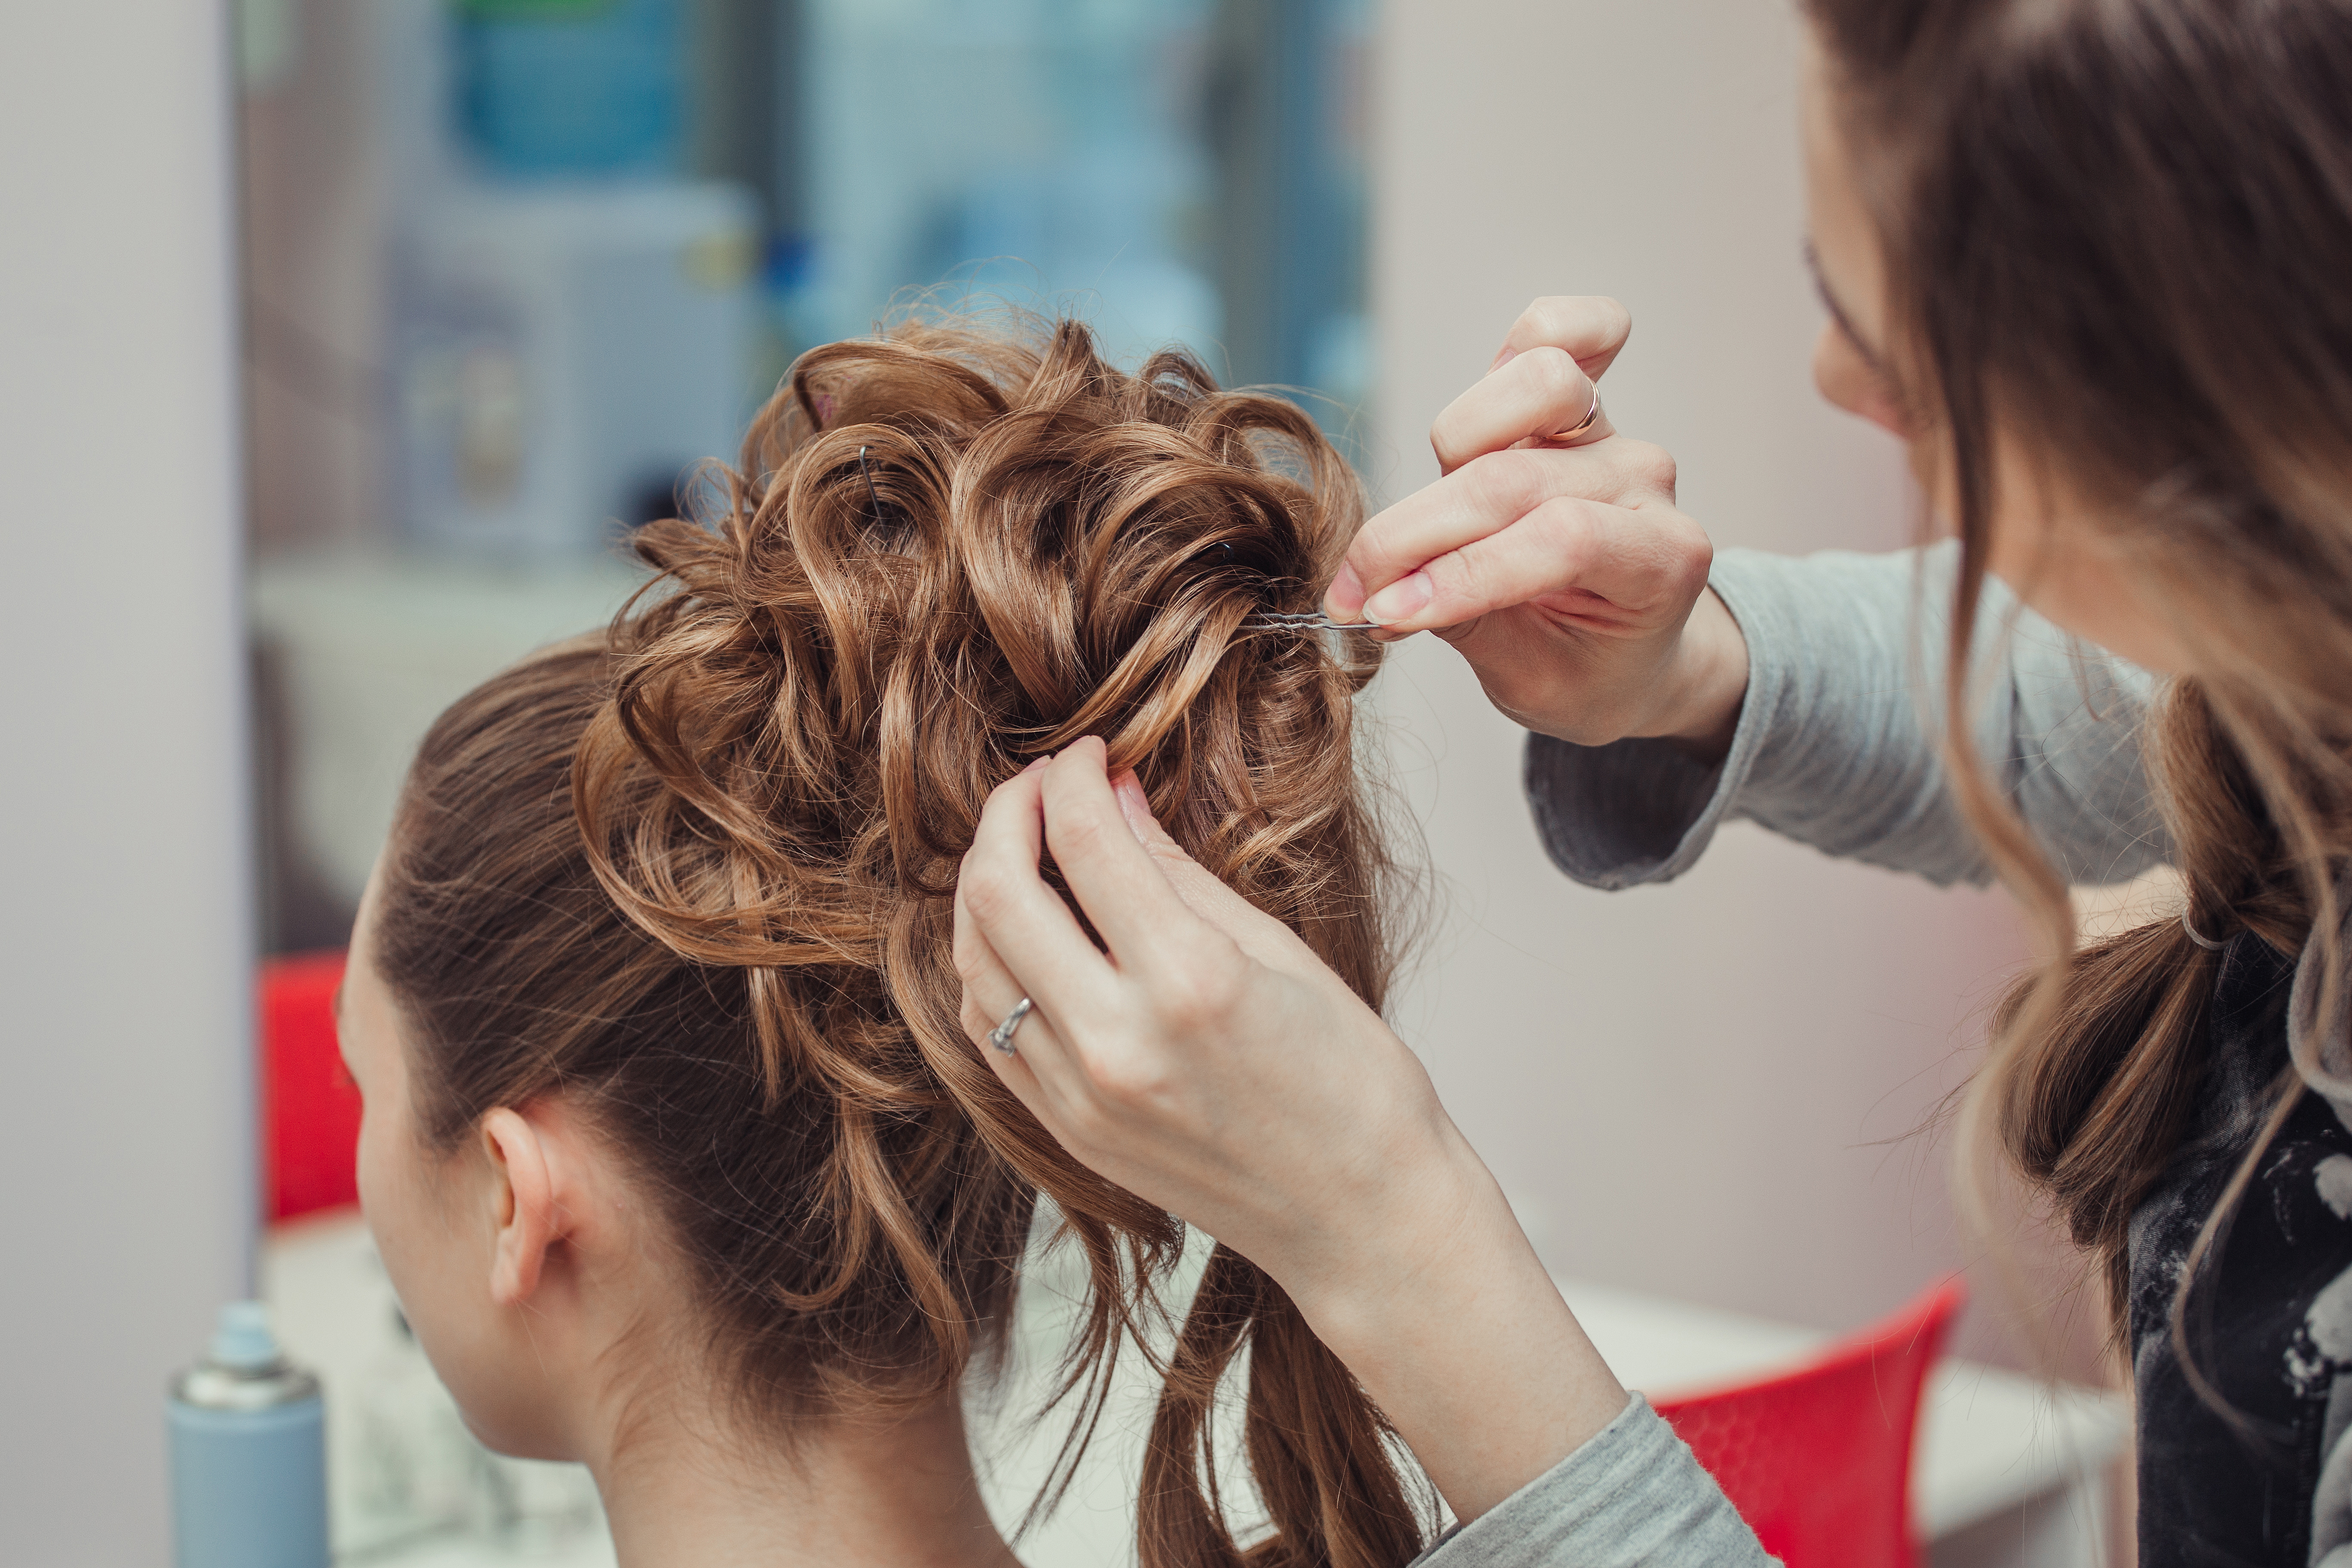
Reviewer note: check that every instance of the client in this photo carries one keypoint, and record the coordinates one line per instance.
(674, 1146)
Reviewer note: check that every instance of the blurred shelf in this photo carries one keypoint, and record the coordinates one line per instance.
(372, 648)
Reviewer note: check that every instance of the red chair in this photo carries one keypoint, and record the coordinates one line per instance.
(1818, 1458)
(310, 1111)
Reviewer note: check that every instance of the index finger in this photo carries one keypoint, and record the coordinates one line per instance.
(1256, 932)
(1475, 501)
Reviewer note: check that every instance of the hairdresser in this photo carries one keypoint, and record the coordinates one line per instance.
(2092, 261)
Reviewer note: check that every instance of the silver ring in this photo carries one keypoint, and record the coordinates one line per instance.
(1591, 418)
(1001, 1036)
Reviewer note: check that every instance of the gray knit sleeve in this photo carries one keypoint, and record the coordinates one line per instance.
(1633, 1496)
(1837, 744)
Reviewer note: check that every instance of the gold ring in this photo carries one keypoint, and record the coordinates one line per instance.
(1591, 418)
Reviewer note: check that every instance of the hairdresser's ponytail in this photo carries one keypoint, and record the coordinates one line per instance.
(2097, 1069)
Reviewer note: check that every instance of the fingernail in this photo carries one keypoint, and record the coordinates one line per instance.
(1405, 597)
(1505, 357)
(1036, 763)
(1135, 806)
(1345, 597)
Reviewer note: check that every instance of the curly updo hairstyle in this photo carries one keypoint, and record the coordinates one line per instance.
(697, 874)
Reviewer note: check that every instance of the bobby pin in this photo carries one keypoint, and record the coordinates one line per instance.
(1284, 620)
(1276, 621)
(871, 493)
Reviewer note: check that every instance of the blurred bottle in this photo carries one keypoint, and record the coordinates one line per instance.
(575, 319)
(248, 1453)
(572, 87)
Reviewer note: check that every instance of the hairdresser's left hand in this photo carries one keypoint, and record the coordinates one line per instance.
(1210, 1064)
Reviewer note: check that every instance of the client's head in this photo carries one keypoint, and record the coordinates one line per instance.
(652, 998)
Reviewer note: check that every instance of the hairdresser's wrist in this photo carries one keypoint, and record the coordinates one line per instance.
(1447, 1317)
(1705, 684)
(1684, 684)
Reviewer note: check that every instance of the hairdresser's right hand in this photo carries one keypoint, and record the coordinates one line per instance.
(1562, 570)
(1206, 1060)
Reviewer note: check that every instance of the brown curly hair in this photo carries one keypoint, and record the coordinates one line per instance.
(697, 873)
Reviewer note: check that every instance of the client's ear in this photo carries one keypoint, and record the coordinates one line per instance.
(523, 1206)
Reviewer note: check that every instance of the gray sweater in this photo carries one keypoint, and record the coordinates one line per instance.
(1836, 747)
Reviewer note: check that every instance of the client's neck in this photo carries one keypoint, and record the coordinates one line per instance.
(845, 1496)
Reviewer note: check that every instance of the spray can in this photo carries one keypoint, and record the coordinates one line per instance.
(248, 1453)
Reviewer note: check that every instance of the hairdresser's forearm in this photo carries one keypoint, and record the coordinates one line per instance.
(1447, 1317)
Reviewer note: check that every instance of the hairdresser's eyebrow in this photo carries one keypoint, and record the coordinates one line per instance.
(1837, 312)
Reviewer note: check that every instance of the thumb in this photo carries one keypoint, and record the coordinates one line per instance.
(1251, 928)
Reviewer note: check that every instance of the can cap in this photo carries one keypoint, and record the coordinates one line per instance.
(243, 1340)
(243, 1369)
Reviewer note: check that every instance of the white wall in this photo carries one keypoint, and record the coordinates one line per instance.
(1686, 1087)
(125, 955)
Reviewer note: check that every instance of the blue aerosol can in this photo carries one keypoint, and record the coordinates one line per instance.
(248, 1453)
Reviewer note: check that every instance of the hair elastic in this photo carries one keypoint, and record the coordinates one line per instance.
(2199, 938)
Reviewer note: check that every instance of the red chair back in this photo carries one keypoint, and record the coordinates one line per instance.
(310, 1111)
(1818, 1458)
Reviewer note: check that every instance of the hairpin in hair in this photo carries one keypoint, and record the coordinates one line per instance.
(871, 493)
(1276, 621)
(1284, 621)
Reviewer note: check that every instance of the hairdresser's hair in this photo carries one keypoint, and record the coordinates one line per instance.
(2117, 233)
(697, 875)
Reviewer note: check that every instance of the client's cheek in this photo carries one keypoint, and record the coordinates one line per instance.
(443, 1288)
(370, 1171)
(412, 1243)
